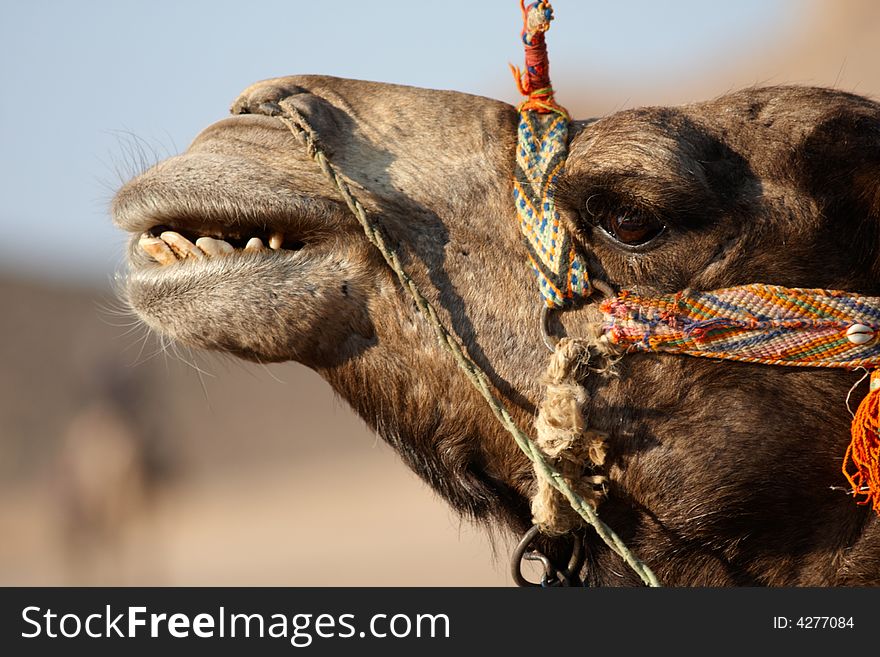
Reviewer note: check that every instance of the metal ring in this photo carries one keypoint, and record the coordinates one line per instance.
(552, 575)
(549, 578)
(599, 285)
(519, 553)
(576, 560)
(549, 340)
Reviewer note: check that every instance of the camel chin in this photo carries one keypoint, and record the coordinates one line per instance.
(263, 306)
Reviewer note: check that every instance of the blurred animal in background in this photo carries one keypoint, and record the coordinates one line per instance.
(110, 467)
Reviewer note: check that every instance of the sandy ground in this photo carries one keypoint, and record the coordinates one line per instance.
(363, 521)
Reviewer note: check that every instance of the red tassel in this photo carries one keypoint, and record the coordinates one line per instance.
(861, 466)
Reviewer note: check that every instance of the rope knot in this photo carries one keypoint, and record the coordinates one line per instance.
(534, 82)
(565, 440)
(536, 18)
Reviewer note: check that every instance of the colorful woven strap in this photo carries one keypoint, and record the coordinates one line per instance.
(542, 146)
(770, 325)
(764, 324)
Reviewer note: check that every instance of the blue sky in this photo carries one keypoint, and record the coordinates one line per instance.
(86, 84)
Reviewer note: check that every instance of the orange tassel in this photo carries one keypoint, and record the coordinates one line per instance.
(861, 466)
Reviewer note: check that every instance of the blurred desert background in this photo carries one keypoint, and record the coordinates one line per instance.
(125, 464)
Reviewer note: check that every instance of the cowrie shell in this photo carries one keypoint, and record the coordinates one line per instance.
(860, 334)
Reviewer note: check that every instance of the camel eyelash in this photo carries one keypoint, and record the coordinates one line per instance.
(595, 208)
(592, 199)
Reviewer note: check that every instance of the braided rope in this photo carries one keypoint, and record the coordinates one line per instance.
(542, 145)
(300, 128)
(541, 149)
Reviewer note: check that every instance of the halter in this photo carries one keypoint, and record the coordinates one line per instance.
(755, 323)
(542, 145)
(769, 325)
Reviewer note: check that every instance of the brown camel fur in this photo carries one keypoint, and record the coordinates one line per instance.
(720, 473)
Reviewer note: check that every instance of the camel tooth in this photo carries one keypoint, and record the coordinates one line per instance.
(214, 247)
(181, 246)
(157, 250)
(276, 240)
(254, 244)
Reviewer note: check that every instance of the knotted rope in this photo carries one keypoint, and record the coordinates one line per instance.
(563, 437)
(565, 440)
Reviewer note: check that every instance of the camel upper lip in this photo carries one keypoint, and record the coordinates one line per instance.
(146, 213)
(215, 193)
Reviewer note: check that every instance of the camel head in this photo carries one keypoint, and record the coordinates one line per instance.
(718, 472)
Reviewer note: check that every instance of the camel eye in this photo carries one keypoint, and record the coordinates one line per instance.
(631, 229)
